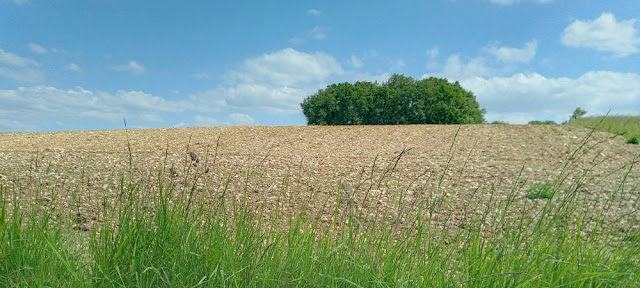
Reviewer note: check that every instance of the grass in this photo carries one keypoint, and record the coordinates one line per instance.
(178, 242)
(628, 126)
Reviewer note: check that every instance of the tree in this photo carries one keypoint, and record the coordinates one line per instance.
(577, 114)
(400, 100)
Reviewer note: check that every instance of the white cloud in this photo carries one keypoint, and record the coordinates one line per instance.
(380, 78)
(524, 97)
(15, 60)
(131, 67)
(519, 98)
(432, 53)
(509, 55)
(73, 67)
(22, 75)
(397, 64)
(314, 12)
(19, 68)
(287, 67)
(33, 106)
(199, 75)
(510, 2)
(37, 48)
(251, 97)
(493, 60)
(603, 34)
(233, 119)
(455, 68)
(317, 33)
(355, 61)
(273, 83)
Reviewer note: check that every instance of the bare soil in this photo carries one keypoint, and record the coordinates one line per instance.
(375, 172)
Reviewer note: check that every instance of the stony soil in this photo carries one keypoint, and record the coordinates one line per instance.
(312, 168)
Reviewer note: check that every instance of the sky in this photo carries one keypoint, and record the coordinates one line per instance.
(87, 65)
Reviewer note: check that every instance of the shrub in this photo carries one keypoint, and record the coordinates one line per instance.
(541, 190)
(577, 114)
(633, 140)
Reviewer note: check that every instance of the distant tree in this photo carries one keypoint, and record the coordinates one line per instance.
(577, 114)
(547, 122)
(400, 100)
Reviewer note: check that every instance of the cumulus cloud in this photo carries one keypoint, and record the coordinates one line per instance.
(524, 97)
(287, 67)
(33, 106)
(270, 84)
(131, 67)
(19, 68)
(35, 48)
(456, 68)
(491, 61)
(252, 97)
(509, 55)
(604, 33)
(273, 83)
(73, 67)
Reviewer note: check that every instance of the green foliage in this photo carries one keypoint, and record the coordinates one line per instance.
(541, 191)
(500, 122)
(577, 114)
(628, 126)
(537, 122)
(401, 100)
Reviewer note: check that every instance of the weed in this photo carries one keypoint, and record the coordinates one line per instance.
(541, 190)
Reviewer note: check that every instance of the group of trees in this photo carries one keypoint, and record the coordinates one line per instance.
(400, 100)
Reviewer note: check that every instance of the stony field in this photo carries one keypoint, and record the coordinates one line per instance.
(371, 172)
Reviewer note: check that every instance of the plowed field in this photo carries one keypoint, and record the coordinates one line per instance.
(369, 171)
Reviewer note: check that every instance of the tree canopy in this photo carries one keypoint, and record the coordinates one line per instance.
(400, 100)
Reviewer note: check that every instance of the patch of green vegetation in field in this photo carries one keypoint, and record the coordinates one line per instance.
(628, 126)
(538, 122)
(541, 190)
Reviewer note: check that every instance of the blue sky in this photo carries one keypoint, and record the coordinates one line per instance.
(84, 65)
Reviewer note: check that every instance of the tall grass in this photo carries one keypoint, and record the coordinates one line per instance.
(628, 126)
(183, 243)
